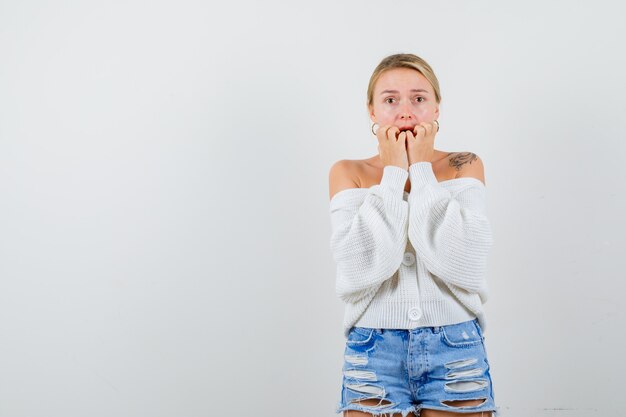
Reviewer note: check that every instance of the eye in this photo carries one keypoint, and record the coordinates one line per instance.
(421, 98)
(388, 98)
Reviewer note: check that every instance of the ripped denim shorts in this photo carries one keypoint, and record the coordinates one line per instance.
(388, 371)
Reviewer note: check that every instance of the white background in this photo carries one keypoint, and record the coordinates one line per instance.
(164, 226)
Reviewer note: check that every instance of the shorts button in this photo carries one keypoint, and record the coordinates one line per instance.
(415, 313)
(409, 259)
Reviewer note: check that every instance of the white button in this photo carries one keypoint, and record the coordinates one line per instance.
(415, 313)
(409, 259)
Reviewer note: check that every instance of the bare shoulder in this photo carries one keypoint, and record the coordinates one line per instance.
(467, 164)
(342, 176)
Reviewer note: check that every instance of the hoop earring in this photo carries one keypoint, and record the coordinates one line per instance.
(436, 121)
(374, 133)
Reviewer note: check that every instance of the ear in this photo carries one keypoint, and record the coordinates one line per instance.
(370, 111)
(437, 112)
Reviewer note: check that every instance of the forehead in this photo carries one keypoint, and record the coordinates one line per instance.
(402, 79)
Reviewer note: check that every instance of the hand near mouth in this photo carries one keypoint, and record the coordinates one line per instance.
(420, 142)
(392, 147)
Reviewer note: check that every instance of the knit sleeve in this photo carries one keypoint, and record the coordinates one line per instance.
(450, 232)
(369, 234)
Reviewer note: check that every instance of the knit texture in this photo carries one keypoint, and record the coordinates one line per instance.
(407, 260)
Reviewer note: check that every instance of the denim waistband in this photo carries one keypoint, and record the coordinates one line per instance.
(423, 329)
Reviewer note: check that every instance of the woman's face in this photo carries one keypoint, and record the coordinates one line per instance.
(403, 97)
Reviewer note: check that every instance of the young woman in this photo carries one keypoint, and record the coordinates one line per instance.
(410, 237)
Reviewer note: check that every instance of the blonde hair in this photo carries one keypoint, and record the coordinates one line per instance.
(403, 61)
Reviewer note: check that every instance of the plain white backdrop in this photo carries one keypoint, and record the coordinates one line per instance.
(164, 226)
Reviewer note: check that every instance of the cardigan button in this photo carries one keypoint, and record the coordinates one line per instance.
(415, 314)
(409, 259)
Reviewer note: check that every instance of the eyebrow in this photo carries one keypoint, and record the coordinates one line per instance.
(396, 91)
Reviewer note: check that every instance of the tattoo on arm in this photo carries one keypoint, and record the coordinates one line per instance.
(461, 158)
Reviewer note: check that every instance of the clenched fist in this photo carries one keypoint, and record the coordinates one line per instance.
(392, 146)
(421, 142)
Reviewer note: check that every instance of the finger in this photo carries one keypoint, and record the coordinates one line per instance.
(401, 139)
(409, 135)
(428, 127)
(381, 133)
(419, 131)
(392, 133)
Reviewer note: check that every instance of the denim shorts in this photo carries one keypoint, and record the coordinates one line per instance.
(402, 371)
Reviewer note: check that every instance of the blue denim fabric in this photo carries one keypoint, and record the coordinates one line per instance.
(407, 370)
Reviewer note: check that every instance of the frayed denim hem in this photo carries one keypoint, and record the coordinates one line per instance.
(380, 411)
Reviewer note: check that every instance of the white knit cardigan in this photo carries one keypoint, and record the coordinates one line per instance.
(407, 260)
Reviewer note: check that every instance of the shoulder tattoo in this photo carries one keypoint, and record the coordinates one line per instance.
(458, 159)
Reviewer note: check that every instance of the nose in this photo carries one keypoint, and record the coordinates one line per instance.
(405, 113)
